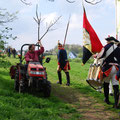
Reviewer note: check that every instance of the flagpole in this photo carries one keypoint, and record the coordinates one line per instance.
(83, 10)
(82, 3)
(116, 19)
(66, 31)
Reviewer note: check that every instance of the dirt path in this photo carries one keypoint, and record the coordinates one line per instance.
(88, 107)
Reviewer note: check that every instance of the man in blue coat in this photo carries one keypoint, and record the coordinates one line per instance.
(63, 64)
(111, 55)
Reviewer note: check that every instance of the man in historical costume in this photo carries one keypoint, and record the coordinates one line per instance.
(14, 52)
(110, 89)
(9, 52)
(32, 54)
(63, 64)
(111, 56)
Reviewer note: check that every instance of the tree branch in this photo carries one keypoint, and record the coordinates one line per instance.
(6, 17)
(35, 19)
(38, 20)
(25, 2)
(70, 1)
(93, 2)
(37, 13)
(48, 28)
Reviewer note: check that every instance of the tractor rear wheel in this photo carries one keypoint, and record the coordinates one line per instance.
(21, 86)
(47, 89)
(16, 83)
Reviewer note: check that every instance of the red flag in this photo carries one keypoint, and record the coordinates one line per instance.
(91, 42)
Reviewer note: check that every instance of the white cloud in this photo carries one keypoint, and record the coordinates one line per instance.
(104, 35)
(76, 21)
(30, 2)
(22, 39)
(100, 16)
(110, 2)
(49, 18)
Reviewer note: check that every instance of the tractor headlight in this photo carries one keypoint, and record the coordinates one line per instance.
(32, 72)
(42, 73)
(37, 73)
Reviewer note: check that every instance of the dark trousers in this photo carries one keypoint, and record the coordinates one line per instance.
(116, 93)
(60, 77)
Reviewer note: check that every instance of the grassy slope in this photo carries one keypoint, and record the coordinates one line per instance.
(15, 106)
(78, 75)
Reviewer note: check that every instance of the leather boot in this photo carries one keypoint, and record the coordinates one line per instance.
(116, 96)
(59, 77)
(106, 92)
(68, 78)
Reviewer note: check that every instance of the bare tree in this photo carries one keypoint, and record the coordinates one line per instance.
(25, 2)
(49, 28)
(5, 32)
(39, 20)
(6, 17)
(70, 1)
(93, 2)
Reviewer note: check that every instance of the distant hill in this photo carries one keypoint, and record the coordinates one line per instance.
(77, 49)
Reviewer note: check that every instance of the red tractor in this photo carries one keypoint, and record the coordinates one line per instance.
(32, 76)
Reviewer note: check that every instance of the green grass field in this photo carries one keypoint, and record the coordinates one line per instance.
(15, 106)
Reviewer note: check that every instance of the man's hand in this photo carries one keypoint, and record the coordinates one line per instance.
(58, 68)
(30, 60)
(39, 42)
(95, 55)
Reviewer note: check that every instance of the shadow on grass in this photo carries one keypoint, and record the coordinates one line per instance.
(78, 93)
(71, 91)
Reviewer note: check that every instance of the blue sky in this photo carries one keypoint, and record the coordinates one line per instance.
(100, 16)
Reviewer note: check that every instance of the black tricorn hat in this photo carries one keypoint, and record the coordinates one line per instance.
(59, 44)
(111, 39)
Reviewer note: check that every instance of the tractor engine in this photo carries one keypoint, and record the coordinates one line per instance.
(35, 69)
